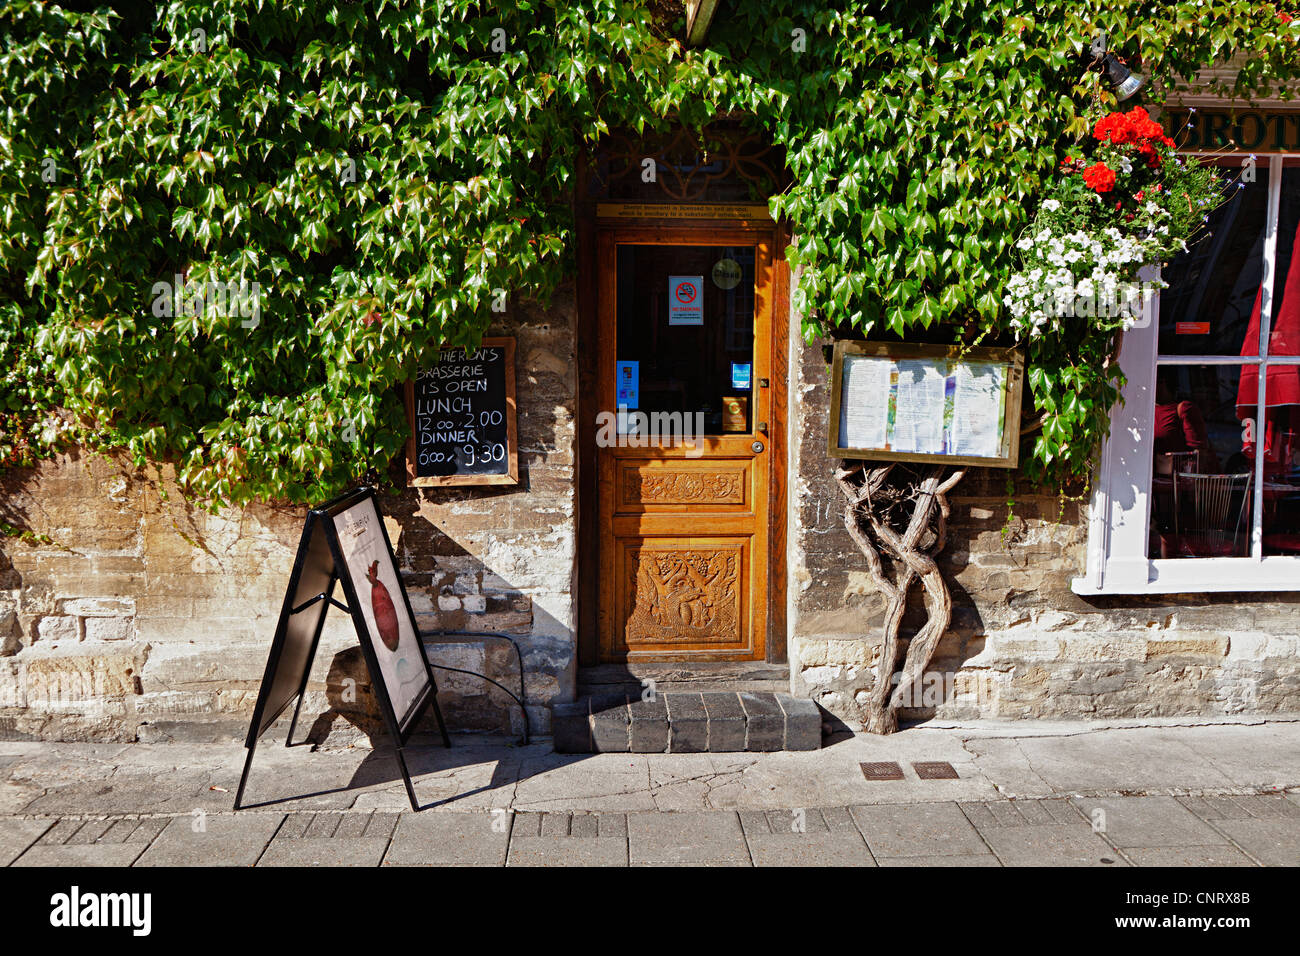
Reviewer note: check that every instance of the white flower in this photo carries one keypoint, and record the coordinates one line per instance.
(1051, 205)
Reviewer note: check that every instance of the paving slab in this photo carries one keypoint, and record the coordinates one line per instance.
(970, 859)
(1254, 757)
(225, 840)
(1240, 806)
(17, 835)
(1147, 822)
(1122, 760)
(686, 781)
(695, 838)
(1050, 844)
(567, 851)
(799, 820)
(613, 781)
(324, 851)
(449, 838)
(809, 849)
(16, 797)
(122, 791)
(1273, 842)
(1188, 856)
(931, 829)
(82, 854)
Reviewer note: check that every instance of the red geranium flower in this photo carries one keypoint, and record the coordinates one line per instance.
(1100, 177)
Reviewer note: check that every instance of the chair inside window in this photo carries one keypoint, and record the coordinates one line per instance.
(1165, 465)
(1210, 514)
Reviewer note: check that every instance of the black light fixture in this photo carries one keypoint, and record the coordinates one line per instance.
(1127, 83)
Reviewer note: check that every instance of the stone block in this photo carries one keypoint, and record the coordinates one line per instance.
(1206, 646)
(688, 724)
(726, 722)
(764, 723)
(13, 692)
(803, 723)
(173, 666)
(649, 726)
(109, 628)
(610, 726)
(58, 627)
(463, 655)
(80, 672)
(100, 607)
(571, 727)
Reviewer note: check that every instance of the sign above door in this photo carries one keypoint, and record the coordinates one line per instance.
(744, 211)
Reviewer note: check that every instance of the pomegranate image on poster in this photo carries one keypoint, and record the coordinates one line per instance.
(381, 606)
(374, 580)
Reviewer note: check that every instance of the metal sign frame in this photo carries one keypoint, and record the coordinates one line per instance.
(267, 710)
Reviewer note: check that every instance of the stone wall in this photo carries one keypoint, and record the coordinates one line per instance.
(128, 613)
(1021, 644)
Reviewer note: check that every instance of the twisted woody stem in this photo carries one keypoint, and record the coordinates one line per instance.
(912, 557)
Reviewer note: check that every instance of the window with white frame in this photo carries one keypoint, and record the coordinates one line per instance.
(1198, 487)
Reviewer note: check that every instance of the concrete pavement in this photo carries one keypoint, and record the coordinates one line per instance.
(1127, 793)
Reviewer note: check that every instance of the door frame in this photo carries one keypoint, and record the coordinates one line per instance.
(589, 232)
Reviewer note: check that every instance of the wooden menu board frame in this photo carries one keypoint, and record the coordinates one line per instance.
(1013, 382)
(511, 474)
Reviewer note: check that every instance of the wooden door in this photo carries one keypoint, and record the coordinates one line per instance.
(683, 502)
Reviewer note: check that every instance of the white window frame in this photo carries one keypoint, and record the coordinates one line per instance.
(1120, 510)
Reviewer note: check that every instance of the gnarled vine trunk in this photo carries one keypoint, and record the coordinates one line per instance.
(873, 512)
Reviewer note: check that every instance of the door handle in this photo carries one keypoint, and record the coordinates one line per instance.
(757, 447)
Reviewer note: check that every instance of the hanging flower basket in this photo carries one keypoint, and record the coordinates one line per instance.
(1131, 201)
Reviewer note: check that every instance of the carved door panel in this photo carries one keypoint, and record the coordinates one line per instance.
(683, 450)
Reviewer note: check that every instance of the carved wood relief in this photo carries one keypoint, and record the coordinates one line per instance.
(683, 596)
(663, 487)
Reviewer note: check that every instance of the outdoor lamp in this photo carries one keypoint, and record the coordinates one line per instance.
(1127, 83)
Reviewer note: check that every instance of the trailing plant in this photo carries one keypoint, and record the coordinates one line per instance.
(1122, 202)
(231, 227)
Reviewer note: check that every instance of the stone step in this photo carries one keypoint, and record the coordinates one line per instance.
(634, 678)
(709, 722)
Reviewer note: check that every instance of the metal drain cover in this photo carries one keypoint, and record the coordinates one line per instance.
(935, 770)
(884, 770)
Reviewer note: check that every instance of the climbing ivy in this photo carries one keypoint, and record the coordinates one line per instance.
(230, 227)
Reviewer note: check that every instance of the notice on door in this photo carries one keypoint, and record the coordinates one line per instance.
(686, 300)
(629, 392)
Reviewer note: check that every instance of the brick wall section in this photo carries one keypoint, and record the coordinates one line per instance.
(148, 618)
(1021, 644)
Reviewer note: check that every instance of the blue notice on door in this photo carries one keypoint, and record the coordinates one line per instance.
(741, 374)
(628, 376)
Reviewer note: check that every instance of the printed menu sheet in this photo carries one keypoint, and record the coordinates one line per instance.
(864, 420)
(979, 406)
(922, 406)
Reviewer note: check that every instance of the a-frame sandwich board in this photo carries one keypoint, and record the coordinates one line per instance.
(345, 542)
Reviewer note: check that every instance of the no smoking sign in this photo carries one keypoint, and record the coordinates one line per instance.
(686, 300)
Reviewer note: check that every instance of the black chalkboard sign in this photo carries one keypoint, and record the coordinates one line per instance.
(461, 408)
